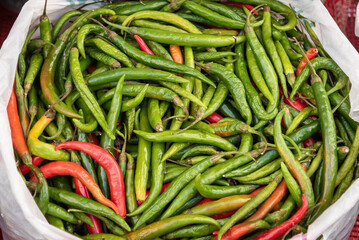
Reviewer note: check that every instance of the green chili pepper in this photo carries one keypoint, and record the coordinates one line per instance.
(271, 49)
(330, 159)
(163, 227)
(264, 64)
(171, 18)
(55, 221)
(261, 172)
(211, 191)
(176, 186)
(195, 231)
(192, 136)
(213, 16)
(182, 39)
(62, 20)
(60, 212)
(45, 31)
(85, 93)
(91, 123)
(219, 97)
(144, 156)
(234, 85)
(292, 185)
(344, 185)
(252, 97)
(147, 5)
(349, 160)
(109, 50)
(34, 68)
(319, 63)
(42, 200)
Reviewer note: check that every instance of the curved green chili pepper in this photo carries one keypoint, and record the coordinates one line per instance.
(60, 121)
(60, 212)
(294, 166)
(91, 123)
(234, 85)
(41, 149)
(292, 185)
(182, 39)
(349, 160)
(133, 74)
(62, 20)
(211, 191)
(163, 227)
(319, 63)
(171, 18)
(192, 136)
(34, 68)
(85, 93)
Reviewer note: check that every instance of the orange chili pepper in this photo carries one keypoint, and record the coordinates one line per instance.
(17, 135)
(311, 53)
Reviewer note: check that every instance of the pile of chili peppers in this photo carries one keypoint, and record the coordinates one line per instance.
(182, 120)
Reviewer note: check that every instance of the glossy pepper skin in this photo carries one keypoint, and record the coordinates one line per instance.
(109, 164)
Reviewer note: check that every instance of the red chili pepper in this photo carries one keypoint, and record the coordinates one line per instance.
(214, 117)
(82, 190)
(143, 45)
(113, 171)
(17, 135)
(279, 230)
(35, 161)
(56, 168)
(311, 53)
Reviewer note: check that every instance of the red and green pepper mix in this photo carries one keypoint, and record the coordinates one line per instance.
(169, 115)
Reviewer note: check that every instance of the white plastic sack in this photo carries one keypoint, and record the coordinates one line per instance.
(20, 217)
